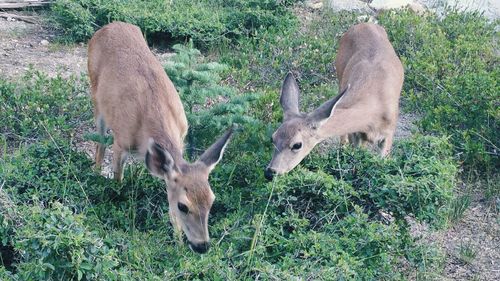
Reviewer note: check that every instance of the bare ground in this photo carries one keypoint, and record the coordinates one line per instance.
(21, 46)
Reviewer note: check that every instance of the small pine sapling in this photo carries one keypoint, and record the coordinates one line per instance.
(210, 107)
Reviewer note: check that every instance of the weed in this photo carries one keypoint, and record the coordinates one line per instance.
(467, 252)
(458, 207)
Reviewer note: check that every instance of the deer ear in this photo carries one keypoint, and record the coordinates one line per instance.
(289, 99)
(320, 115)
(214, 153)
(159, 161)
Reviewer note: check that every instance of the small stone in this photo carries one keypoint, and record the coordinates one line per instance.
(44, 42)
(389, 4)
(314, 4)
(348, 5)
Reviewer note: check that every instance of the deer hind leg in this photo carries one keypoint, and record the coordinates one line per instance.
(385, 145)
(344, 140)
(119, 157)
(359, 139)
(382, 143)
(100, 147)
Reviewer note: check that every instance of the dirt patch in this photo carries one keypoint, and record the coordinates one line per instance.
(24, 45)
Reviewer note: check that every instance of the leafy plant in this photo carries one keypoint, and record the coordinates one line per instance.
(452, 79)
(207, 22)
(55, 244)
(39, 106)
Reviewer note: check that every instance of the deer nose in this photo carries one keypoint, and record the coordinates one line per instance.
(269, 173)
(200, 248)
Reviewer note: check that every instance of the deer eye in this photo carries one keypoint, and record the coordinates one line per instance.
(297, 146)
(183, 208)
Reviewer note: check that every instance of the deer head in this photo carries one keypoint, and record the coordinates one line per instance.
(299, 132)
(189, 194)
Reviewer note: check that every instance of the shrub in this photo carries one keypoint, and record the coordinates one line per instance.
(206, 22)
(56, 245)
(47, 172)
(417, 180)
(39, 106)
(452, 79)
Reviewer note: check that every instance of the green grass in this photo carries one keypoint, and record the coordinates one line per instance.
(458, 207)
(467, 252)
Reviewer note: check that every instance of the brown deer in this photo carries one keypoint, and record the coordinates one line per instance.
(133, 97)
(366, 111)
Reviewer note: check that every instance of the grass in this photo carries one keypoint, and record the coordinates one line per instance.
(458, 207)
(467, 252)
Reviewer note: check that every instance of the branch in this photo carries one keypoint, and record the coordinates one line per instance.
(27, 19)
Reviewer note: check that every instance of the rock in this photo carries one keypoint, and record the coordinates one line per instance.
(349, 5)
(367, 18)
(44, 42)
(314, 4)
(380, 5)
(389, 4)
(417, 8)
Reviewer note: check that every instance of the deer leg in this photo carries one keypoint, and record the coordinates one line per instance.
(344, 140)
(353, 139)
(119, 157)
(385, 145)
(100, 147)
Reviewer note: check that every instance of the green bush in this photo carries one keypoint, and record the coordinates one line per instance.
(451, 79)
(418, 179)
(56, 245)
(47, 172)
(206, 22)
(39, 106)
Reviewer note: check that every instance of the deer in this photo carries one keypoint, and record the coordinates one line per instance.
(364, 114)
(133, 96)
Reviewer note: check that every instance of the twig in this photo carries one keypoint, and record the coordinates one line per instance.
(24, 4)
(27, 19)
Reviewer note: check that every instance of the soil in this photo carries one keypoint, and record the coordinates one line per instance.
(21, 47)
(24, 45)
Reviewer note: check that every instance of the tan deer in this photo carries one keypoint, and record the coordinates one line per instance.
(365, 113)
(133, 97)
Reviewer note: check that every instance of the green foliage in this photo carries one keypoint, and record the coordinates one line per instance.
(49, 172)
(452, 79)
(206, 22)
(195, 80)
(467, 252)
(56, 245)
(209, 106)
(39, 106)
(418, 179)
(458, 207)
(263, 60)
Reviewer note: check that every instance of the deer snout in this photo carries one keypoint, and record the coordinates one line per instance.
(199, 248)
(269, 173)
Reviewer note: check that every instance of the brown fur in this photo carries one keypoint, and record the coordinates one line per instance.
(371, 77)
(133, 96)
(368, 113)
(129, 82)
